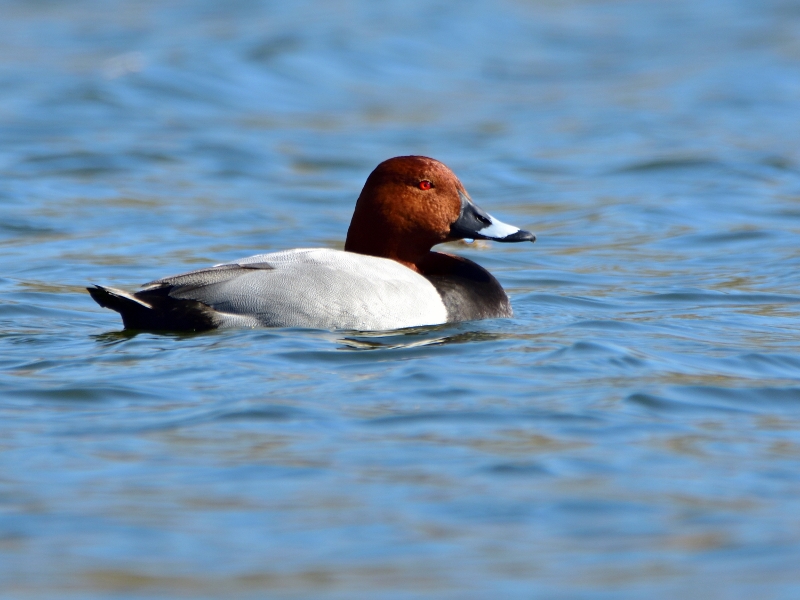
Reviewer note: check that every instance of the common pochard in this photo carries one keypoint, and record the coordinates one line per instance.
(387, 277)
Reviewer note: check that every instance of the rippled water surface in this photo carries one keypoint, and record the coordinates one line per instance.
(634, 432)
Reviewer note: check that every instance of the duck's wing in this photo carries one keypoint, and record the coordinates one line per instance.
(315, 288)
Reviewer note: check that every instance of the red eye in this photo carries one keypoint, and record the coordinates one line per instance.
(425, 184)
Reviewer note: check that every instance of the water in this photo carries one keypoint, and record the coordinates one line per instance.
(633, 432)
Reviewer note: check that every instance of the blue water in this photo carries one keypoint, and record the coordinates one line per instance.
(634, 431)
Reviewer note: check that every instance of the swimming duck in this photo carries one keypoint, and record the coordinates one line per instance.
(387, 277)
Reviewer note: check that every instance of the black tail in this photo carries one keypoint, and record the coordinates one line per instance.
(156, 311)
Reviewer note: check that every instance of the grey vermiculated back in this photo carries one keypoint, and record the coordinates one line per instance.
(317, 288)
(202, 277)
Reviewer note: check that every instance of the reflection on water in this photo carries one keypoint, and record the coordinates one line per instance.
(632, 432)
(416, 337)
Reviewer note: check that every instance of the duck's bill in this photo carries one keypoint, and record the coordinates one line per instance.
(475, 223)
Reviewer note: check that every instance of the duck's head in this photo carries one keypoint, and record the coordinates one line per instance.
(411, 203)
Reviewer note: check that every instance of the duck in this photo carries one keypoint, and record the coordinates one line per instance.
(386, 278)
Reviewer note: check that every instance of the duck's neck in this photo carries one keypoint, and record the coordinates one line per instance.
(366, 235)
(386, 248)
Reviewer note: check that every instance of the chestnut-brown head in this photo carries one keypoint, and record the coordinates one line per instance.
(411, 203)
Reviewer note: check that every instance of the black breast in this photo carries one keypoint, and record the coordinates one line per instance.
(468, 290)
